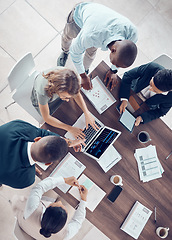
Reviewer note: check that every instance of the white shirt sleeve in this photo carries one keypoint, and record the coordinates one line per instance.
(37, 192)
(76, 222)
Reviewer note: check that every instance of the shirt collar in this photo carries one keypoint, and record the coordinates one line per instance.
(31, 161)
(164, 93)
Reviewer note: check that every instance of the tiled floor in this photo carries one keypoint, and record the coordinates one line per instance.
(35, 26)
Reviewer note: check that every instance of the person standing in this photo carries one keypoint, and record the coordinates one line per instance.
(91, 26)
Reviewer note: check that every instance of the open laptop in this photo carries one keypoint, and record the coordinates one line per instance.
(97, 142)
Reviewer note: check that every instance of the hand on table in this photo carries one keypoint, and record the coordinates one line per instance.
(72, 181)
(138, 121)
(111, 80)
(38, 171)
(86, 82)
(123, 106)
(83, 192)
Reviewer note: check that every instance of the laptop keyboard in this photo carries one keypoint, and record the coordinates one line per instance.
(90, 132)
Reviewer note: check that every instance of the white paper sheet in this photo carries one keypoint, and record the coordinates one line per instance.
(69, 166)
(109, 159)
(95, 194)
(99, 96)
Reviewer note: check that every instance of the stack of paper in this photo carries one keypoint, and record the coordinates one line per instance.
(95, 194)
(148, 163)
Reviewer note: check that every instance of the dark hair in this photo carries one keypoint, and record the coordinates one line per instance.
(127, 53)
(163, 80)
(55, 149)
(53, 221)
(62, 80)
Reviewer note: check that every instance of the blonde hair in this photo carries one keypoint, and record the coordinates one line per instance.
(62, 80)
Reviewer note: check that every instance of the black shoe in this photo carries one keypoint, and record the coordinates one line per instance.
(61, 61)
(87, 71)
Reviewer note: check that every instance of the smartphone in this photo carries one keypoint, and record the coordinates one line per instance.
(114, 193)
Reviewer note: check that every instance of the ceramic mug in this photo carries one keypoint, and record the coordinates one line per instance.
(116, 180)
(162, 232)
(143, 137)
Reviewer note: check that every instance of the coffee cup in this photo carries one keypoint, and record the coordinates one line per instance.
(143, 137)
(162, 232)
(116, 180)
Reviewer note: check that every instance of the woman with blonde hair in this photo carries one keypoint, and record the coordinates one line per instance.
(52, 88)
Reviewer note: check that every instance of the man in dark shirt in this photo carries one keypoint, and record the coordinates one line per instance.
(21, 145)
(155, 84)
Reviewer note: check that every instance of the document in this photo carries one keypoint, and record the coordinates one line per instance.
(95, 194)
(149, 165)
(99, 95)
(109, 159)
(136, 220)
(42, 165)
(69, 166)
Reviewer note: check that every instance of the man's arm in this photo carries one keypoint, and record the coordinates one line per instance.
(157, 113)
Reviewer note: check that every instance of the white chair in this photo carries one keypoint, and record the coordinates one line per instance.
(19, 233)
(164, 60)
(21, 79)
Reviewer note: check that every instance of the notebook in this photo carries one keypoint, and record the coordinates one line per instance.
(97, 142)
(136, 220)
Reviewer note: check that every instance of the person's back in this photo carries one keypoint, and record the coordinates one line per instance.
(13, 158)
(94, 17)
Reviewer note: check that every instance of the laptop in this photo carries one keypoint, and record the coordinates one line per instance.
(97, 142)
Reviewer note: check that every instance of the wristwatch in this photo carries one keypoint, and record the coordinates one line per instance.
(114, 71)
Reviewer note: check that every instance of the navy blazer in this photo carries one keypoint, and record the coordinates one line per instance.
(139, 78)
(15, 169)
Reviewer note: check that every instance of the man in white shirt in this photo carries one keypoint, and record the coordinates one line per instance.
(96, 26)
(39, 218)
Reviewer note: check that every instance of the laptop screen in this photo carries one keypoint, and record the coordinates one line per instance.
(102, 142)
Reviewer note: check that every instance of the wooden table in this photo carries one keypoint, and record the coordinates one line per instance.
(108, 217)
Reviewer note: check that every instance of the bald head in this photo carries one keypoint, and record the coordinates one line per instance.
(123, 53)
(49, 149)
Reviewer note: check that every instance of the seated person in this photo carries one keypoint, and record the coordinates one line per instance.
(155, 84)
(53, 86)
(21, 145)
(41, 219)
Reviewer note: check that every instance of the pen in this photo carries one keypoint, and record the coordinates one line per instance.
(155, 214)
(168, 156)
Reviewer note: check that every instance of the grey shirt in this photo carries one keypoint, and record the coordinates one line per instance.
(39, 94)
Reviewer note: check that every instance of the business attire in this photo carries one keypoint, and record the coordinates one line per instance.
(39, 94)
(29, 213)
(93, 26)
(138, 80)
(16, 170)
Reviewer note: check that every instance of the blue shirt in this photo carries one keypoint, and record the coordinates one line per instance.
(99, 26)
